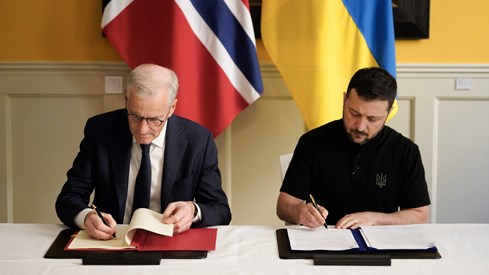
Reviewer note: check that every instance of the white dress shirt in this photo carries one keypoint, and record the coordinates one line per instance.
(156, 152)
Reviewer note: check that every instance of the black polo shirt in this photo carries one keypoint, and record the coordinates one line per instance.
(383, 175)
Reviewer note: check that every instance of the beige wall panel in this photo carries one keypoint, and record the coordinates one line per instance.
(249, 151)
(437, 131)
(260, 134)
(401, 122)
(462, 154)
(224, 152)
(43, 105)
(45, 134)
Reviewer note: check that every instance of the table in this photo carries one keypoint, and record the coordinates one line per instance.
(246, 250)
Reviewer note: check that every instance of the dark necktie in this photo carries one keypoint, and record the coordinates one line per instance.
(143, 180)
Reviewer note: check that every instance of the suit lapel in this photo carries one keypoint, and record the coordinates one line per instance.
(120, 150)
(175, 147)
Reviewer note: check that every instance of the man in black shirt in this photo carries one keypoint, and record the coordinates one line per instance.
(359, 171)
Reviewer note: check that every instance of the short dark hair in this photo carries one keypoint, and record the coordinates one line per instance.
(374, 83)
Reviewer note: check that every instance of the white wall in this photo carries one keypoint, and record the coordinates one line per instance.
(43, 108)
(452, 129)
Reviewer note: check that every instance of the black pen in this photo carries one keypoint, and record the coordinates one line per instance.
(101, 217)
(317, 207)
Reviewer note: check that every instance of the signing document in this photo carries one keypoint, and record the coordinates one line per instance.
(146, 232)
(395, 237)
(303, 238)
(142, 219)
(392, 237)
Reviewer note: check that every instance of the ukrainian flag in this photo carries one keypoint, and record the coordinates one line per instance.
(317, 45)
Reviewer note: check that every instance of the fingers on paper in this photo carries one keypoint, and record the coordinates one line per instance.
(355, 220)
(180, 214)
(97, 229)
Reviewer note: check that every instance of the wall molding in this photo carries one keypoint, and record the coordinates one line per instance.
(66, 67)
(441, 70)
(267, 68)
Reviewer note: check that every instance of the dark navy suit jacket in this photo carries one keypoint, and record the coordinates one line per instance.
(102, 166)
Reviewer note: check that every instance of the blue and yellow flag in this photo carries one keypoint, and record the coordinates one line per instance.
(317, 45)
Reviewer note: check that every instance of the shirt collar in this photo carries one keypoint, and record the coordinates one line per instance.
(159, 140)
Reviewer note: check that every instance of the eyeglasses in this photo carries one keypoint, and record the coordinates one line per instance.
(152, 121)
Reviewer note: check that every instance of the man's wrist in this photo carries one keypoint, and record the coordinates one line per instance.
(197, 213)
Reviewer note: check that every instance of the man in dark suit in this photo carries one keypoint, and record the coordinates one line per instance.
(185, 181)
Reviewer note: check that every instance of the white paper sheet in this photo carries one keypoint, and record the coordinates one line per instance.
(303, 238)
(395, 237)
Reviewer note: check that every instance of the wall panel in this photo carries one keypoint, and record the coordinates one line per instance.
(43, 109)
(462, 154)
(448, 122)
(44, 137)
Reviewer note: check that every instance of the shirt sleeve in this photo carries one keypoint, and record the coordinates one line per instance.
(80, 218)
(414, 191)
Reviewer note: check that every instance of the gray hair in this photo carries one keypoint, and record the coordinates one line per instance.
(150, 80)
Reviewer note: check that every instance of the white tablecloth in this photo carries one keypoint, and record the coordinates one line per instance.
(246, 250)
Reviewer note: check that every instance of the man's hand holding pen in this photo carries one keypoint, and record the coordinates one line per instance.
(313, 215)
(101, 229)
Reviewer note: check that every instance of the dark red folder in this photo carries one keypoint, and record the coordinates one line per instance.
(194, 239)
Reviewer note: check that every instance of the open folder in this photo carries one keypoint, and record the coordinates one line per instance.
(397, 241)
(146, 232)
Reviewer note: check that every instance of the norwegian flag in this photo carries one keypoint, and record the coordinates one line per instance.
(209, 44)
